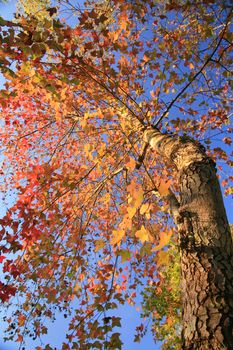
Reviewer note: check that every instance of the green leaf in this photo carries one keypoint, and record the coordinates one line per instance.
(146, 249)
(125, 255)
(3, 22)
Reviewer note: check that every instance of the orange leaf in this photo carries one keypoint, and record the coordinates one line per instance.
(191, 66)
(19, 339)
(164, 240)
(163, 187)
(163, 258)
(131, 163)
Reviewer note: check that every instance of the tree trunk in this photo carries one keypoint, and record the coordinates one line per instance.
(205, 245)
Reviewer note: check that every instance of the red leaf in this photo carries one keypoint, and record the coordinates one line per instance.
(2, 257)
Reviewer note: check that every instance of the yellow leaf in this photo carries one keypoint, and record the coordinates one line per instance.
(142, 234)
(164, 240)
(87, 148)
(84, 120)
(145, 208)
(117, 236)
(99, 244)
(77, 287)
(131, 211)
(114, 35)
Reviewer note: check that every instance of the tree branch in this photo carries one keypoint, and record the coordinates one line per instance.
(192, 80)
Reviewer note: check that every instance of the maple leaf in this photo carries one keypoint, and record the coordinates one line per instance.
(163, 258)
(2, 257)
(125, 255)
(132, 211)
(144, 208)
(227, 140)
(163, 187)
(142, 234)
(191, 66)
(99, 244)
(130, 164)
(117, 236)
(164, 240)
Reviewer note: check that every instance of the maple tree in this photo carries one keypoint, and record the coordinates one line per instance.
(105, 111)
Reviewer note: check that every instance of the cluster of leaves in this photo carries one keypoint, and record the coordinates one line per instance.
(87, 226)
(35, 8)
(162, 302)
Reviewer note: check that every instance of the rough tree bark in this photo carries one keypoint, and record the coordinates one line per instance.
(205, 244)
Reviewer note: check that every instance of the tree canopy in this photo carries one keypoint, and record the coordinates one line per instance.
(89, 226)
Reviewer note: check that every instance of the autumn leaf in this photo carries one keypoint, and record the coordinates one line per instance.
(163, 187)
(136, 192)
(2, 257)
(164, 240)
(131, 211)
(125, 255)
(142, 234)
(21, 320)
(163, 258)
(117, 236)
(191, 66)
(19, 338)
(227, 140)
(145, 208)
(99, 244)
(130, 164)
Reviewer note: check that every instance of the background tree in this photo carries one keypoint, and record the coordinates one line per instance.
(163, 304)
(103, 115)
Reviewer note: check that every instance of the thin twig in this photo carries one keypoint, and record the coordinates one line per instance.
(192, 80)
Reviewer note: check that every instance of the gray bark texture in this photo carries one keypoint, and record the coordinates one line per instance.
(205, 244)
